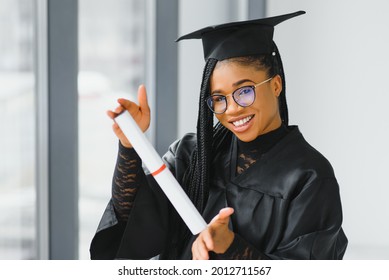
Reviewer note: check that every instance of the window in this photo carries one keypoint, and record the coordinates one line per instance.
(111, 65)
(17, 131)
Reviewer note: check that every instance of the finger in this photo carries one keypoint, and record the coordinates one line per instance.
(226, 213)
(142, 99)
(111, 114)
(193, 255)
(199, 249)
(118, 109)
(195, 251)
(118, 132)
(199, 252)
(128, 105)
(208, 240)
(223, 215)
(203, 252)
(116, 129)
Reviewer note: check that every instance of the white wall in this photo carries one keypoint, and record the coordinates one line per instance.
(336, 58)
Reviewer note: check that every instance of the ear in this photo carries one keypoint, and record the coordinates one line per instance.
(276, 85)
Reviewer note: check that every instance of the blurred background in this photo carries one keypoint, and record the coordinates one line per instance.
(64, 63)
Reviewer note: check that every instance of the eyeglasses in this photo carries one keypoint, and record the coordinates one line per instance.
(244, 97)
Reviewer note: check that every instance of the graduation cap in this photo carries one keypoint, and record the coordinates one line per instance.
(240, 38)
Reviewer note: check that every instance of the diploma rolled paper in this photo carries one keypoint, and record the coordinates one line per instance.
(162, 175)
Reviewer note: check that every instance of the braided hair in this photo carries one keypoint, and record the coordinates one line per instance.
(279, 68)
(196, 178)
(210, 141)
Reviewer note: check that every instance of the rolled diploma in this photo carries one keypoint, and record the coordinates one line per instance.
(162, 175)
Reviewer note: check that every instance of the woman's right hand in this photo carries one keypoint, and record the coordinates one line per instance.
(140, 113)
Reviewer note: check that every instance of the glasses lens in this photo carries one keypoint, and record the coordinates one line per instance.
(244, 96)
(217, 103)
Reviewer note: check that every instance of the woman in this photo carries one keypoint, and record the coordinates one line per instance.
(265, 192)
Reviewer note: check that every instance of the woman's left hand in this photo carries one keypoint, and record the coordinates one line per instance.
(217, 237)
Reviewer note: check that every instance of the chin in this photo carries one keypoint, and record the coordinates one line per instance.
(246, 138)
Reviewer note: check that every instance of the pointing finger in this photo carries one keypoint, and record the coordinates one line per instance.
(142, 99)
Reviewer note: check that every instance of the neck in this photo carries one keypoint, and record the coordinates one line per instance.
(264, 142)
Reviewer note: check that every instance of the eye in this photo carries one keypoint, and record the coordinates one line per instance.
(218, 98)
(245, 91)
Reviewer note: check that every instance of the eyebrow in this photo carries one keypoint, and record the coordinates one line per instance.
(236, 84)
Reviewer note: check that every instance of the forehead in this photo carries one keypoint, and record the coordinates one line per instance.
(226, 73)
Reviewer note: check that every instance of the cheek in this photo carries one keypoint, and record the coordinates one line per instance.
(219, 117)
(268, 103)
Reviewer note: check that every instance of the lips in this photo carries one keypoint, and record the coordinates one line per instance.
(242, 122)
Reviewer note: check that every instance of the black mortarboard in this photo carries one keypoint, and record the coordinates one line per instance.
(240, 38)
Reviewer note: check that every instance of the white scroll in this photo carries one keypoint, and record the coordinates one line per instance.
(162, 175)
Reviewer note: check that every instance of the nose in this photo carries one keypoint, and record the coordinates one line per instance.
(232, 106)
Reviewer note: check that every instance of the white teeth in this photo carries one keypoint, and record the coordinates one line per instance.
(242, 121)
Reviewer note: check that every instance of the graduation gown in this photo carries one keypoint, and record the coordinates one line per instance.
(287, 206)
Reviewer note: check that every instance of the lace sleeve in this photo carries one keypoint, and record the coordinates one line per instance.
(126, 180)
(241, 250)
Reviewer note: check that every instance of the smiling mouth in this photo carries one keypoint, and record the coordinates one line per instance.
(243, 121)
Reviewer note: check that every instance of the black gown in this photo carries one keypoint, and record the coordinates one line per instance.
(286, 201)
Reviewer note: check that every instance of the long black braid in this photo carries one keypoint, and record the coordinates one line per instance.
(196, 179)
(282, 98)
(209, 140)
(198, 175)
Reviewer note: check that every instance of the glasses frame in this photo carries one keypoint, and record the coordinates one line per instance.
(253, 87)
